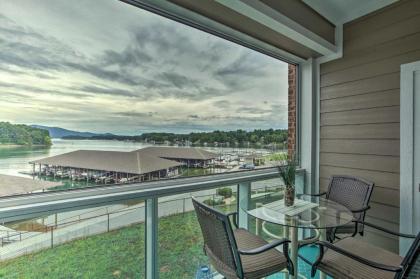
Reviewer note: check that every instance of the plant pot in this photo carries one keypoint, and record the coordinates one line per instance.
(289, 196)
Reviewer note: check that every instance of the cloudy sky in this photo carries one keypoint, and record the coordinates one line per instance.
(116, 68)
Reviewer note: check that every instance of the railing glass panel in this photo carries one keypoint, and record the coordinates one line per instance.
(97, 242)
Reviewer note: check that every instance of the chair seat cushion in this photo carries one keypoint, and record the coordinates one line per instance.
(260, 265)
(340, 266)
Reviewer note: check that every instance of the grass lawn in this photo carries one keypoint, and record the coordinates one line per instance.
(279, 156)
(117, 254)
(197, 171)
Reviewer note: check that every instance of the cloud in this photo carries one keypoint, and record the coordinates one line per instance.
(130, 57)
(178, 80)
(253, 110)
(136, 114)
(39, 90)
(92, 89)
(134, 70)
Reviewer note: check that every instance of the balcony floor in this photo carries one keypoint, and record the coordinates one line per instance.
(310, 253)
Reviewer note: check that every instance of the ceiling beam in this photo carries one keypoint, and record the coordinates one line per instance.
(275, 20)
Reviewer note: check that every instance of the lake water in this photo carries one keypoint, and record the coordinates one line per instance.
(16, 159)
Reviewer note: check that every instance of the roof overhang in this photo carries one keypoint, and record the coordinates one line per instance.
(273, 15)
(254, 25)
(290, 30)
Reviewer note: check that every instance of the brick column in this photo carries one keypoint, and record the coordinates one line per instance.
(291, 139)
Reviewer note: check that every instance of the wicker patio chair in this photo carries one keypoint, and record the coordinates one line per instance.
(236, 253)
(354, 193)
(353, 259)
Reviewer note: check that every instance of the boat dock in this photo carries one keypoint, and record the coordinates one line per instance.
(106, 167)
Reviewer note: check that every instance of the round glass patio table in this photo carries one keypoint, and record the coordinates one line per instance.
(308, 212)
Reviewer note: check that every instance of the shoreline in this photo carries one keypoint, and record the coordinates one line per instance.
(170, 144)
(6, 146)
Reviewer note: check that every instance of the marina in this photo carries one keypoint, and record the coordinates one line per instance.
(15, 161)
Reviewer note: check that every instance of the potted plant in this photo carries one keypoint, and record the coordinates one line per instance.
(287, 173)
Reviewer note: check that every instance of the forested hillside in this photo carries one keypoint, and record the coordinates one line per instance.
(238, 138)
(23, 135)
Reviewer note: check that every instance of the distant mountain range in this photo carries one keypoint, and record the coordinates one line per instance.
(57, 132)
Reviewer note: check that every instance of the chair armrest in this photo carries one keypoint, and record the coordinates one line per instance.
(355, 257)
(363, 209)
(265, 247)
(384, 230)
(317, 195)
(235, 217)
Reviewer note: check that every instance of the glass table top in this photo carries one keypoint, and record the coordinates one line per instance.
(307, 212)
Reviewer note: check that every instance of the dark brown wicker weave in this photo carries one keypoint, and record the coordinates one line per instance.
(238, 253)
(351, 258)
(354, 193)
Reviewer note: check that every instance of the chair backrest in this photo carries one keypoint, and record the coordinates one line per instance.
(352, 192)
(411, 262)
(219, 241)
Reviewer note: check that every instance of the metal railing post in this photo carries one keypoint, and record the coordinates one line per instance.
(108, 223)
(244, 199)
(151, 236)
(258, 223)
(52, 237)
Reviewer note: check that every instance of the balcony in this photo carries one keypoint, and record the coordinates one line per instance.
(353, 110)
(125, 230)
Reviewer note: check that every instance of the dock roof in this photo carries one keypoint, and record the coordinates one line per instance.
(124, 162)
(14, 185)
(188, 153)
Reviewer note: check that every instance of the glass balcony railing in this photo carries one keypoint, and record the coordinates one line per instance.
(146, 230)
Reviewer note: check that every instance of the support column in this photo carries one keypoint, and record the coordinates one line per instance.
(244, 199)
(294, 247)
(151, 236)
(307, 123)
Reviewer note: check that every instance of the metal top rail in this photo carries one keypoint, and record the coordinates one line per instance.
(26, 206)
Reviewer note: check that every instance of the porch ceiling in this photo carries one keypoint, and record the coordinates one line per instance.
(226, 15)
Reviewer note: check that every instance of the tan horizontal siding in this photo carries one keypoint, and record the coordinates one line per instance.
(362, 116)
(367, 85)
(362, 131)
(378, 20)
(377, 68)
(364, 101)
(391, 32)
(365, 162)
(384, 212)
(388, 49)
(379, 238)
(380, 194)
(382, 179)
(361, 146)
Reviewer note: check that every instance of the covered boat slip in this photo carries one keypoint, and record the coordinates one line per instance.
(121, 167)
(189, 156)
